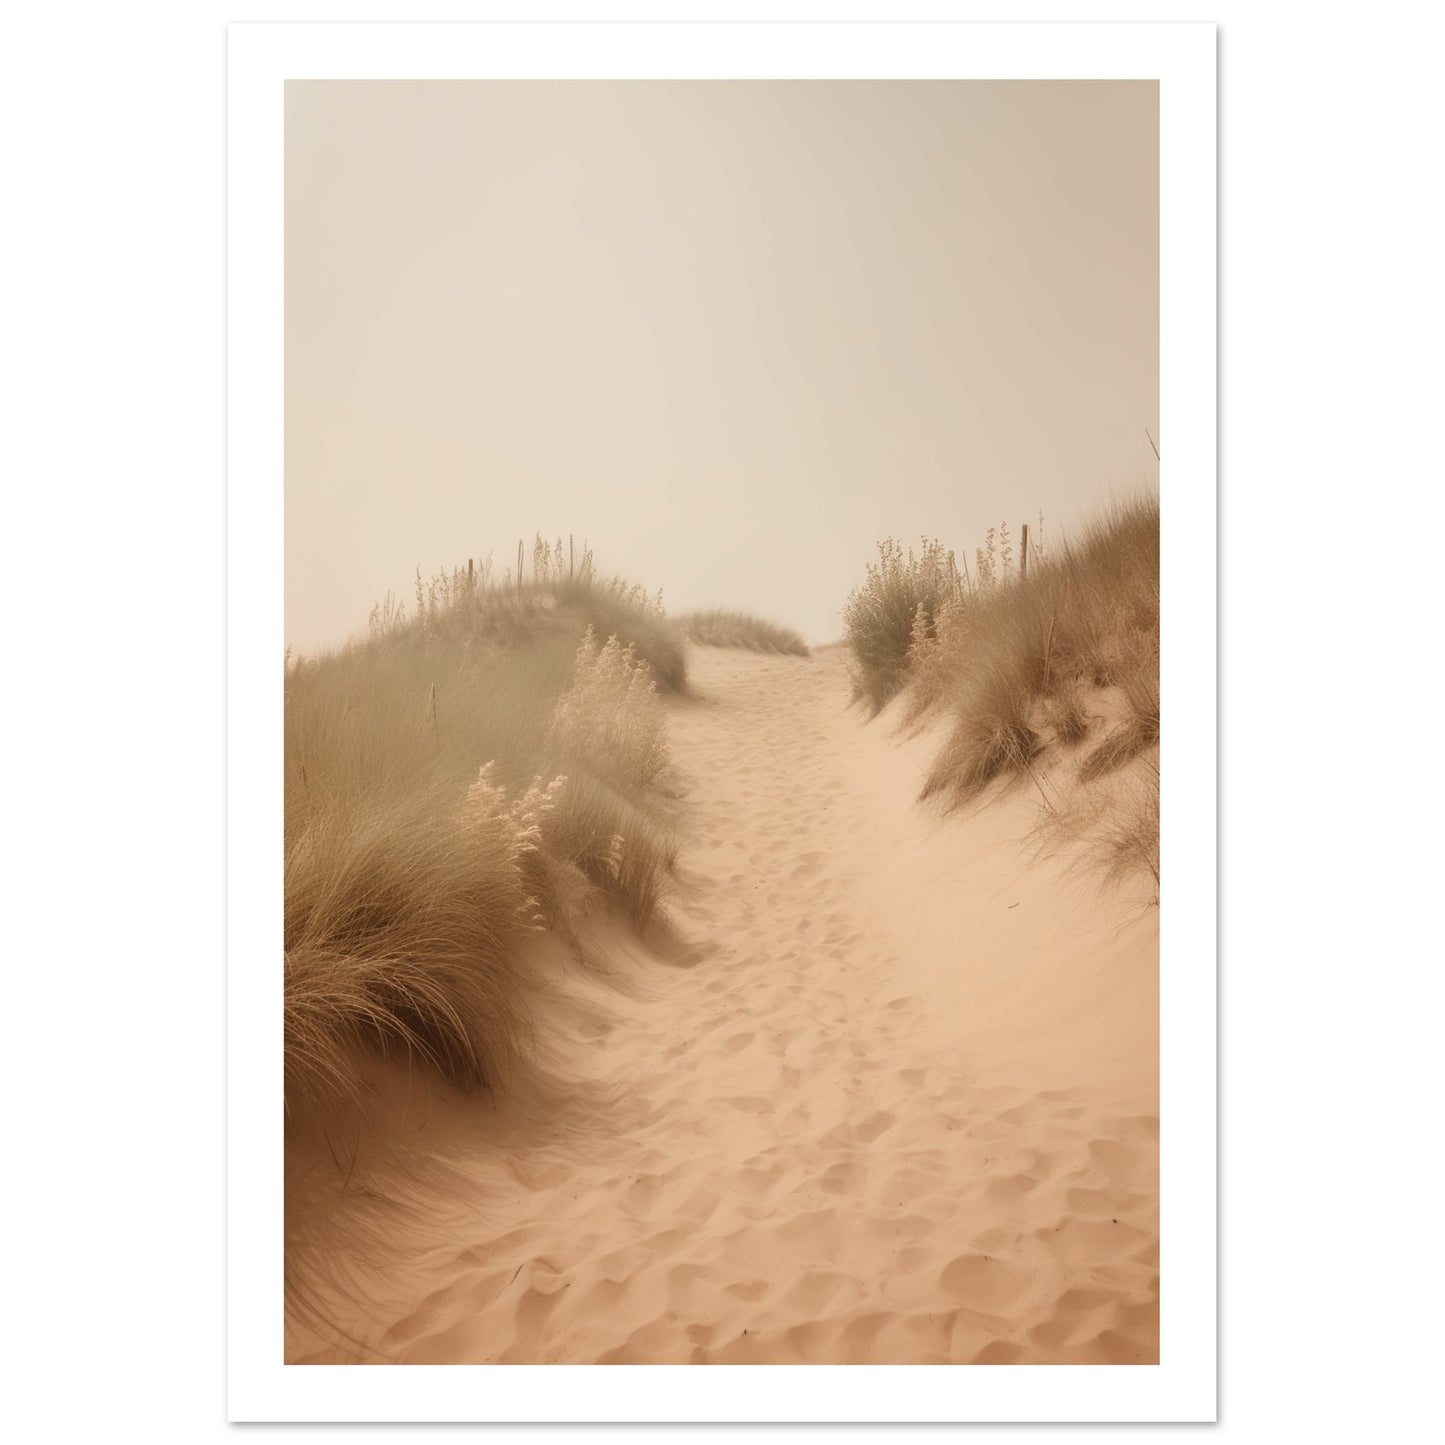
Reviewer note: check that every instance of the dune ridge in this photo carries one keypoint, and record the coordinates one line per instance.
(894, 1101)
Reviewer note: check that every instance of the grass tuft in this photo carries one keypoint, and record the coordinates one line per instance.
(456, 782)
(980, 750)
(738, 629)
(1065, 656)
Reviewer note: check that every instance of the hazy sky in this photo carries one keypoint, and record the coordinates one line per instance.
(731, 333)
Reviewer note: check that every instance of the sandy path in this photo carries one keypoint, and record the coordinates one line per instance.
(898, 1105)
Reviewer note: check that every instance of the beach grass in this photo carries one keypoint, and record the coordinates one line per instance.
(478, 768)
(1063, 658)
(721, 628)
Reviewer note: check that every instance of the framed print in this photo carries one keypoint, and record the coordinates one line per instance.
(718, 929)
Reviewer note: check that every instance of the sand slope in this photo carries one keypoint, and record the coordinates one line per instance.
(896, 1103)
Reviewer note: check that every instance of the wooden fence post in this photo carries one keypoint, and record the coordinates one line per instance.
(1024, 555)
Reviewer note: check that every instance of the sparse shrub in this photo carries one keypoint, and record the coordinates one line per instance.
(517, 825)
(611, 713)
(899, 601)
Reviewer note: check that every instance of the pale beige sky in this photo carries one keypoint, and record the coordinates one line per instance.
(732, 333)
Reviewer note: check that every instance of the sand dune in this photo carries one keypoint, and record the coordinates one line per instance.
(894, 1101)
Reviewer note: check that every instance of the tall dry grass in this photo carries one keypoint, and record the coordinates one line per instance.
(464, 776)
(738, 629)
(904, 593)
(1066, 659)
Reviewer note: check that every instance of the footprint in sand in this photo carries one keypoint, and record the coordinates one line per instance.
(843, 1179)
(808, 864)
(751, 1105)
(870, 1129)
(1004, 1189)
(750, 1291)
(1122, 1164)
(983, 1282)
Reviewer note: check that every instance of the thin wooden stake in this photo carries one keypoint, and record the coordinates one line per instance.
(1024, 554)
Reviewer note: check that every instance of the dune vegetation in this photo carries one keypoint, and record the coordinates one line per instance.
(1058, 663)
(492, 762)
(739, 629)
(481, 795)
(486, 767)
